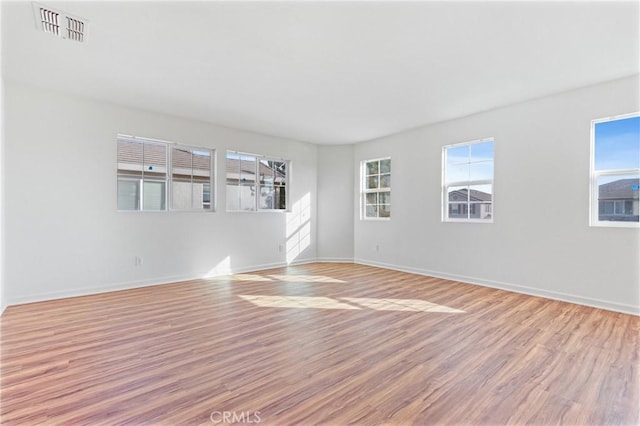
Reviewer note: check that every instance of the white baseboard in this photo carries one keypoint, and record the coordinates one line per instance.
(334, 260)
(596, 303)
(547, 294)
(86, 291)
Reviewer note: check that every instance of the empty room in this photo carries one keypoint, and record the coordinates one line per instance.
(320, 213)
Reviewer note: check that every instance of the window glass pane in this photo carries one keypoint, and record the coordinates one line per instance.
(372, 211)
(190, 175)
(181, 194)
(457, 173)
(201, 164)
(617, 144)
(267, 174)
(372, 182)
(280, 194)
(385, 166)
(274, 179)
(267, 197)
(153, 195)
(128, 194)
(384, 210)
(458, 155)
(372, 198)
(247, 170)
(130, 156)
(233, 168)
(385, 181)
(480, 193)
(372, 167)
(155, 159)
(233, 197)
(458, 194)
(618, 198)
(247, 197)
(481, 171)
(484, 210)
(206, 196)
(385, 198)
(457, 210)
(482, 151)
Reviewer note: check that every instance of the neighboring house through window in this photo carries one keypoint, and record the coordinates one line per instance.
(256, 183)
(376, 188)
(615, 171)
(467, 188)
(191, 178)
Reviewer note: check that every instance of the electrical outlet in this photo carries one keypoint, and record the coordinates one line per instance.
(139, 260)
(377, 247)
(280, 248)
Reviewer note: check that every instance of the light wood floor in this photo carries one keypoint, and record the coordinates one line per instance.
(320, 343)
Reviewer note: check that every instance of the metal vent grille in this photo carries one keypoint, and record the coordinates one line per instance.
(50, 21)
(75, 29)
(59, 23)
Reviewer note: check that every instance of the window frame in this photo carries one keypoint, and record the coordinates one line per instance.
(257, 183)
(168, 179)
(594, 175)
(444, 199)
(364, 191)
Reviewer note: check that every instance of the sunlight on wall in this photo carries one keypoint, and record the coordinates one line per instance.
(298, 228)
(222, 268)
(413, 305)
(296, 302)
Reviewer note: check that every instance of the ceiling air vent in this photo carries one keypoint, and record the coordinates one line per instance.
(60, 24)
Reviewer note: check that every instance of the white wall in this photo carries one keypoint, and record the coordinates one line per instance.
(3, 303)
(63, 234)
(541, 158)
(335, 211)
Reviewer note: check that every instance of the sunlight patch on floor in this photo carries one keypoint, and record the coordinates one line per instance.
(306, 278)
(315, 302)
(244, 277)
(353, 303)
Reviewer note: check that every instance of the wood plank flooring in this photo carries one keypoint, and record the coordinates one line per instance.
(318, 344)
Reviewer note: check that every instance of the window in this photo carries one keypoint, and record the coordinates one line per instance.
(376, 189)
(615, 170)
(256, 183)
(467, 188)
(142, 174)
(145, 181)
(190, 178)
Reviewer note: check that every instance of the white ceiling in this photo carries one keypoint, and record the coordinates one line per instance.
(324, 72)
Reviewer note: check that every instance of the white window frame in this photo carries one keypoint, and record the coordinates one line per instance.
(445, 186)
(168, 180)
(364, 190)
(256, 197)
(595, 175)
